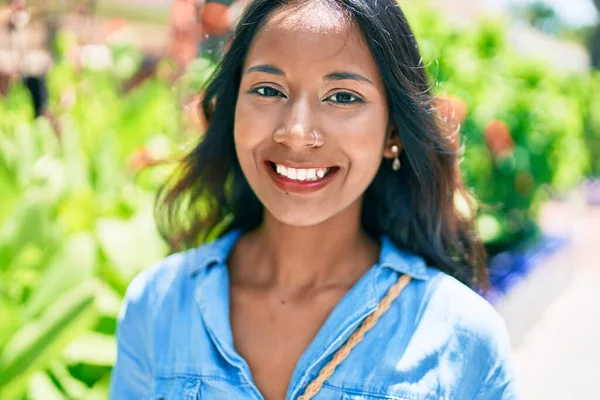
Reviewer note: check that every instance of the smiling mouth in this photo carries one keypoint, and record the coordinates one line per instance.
(301, 174)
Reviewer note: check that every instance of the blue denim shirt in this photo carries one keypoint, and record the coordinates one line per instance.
(438, 340)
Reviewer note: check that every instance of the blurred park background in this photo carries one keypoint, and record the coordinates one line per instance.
(94, 95)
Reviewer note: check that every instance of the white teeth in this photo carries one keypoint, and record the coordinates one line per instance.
(292, 173)
(302, 174)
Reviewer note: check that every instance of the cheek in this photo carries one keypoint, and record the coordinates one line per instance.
(252, 127)
(362, 140)
(365, 161)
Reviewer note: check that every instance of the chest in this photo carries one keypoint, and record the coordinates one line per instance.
(382, 367)
(272, 334)
(202, 344)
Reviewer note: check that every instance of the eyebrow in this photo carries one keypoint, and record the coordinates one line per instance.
(334, 76)
(267, 69)
(342, 76)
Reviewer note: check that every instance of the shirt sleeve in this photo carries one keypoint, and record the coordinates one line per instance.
(498, 380)
(132, 374)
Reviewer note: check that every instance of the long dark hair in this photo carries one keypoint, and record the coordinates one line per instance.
(414, 207)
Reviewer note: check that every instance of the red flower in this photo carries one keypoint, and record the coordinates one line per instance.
(498, 138)
(451, 109)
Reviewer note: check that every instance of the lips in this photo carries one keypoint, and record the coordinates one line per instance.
(296, 179)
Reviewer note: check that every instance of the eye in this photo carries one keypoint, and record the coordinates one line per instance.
(267, 91)
(345, 98)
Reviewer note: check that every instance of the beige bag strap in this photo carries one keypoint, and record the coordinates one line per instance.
(315, 386)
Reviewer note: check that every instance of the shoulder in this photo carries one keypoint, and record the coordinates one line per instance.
(442, 300)
(477, 330)
(152, 284)
(466, 310)
(470, 335)
(167, 278)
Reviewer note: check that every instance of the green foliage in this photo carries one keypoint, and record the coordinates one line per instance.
(76, 222)
(592, 129)
(524, 125)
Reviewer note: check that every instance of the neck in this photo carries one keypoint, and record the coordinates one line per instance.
(294, 259)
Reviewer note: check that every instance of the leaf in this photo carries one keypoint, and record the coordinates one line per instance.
(73, 156)
(131, 244)
(78, 211)
(100, 390)
(108, 300)
(41, 387)
(37, 343)
(92, 348)
(75, 389)
(49, 175)
(74, 264)
(29, 223)
(489, 228)
(9, 317)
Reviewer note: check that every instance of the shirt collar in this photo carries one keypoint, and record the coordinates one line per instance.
(215, 252)
(402, 261)
(390, 256)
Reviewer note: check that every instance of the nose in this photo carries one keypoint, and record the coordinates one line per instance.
(296, 130)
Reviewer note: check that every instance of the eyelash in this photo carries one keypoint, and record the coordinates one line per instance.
(356, 98)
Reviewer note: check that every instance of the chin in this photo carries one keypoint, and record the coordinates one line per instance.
(292, 216)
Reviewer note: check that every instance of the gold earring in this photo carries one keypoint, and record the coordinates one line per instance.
(396, 163)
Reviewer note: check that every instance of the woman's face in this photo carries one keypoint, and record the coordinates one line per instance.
(308, 71)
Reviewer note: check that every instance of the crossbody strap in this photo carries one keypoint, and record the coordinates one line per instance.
(315, 386)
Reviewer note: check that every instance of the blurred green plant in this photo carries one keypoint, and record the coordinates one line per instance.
(593, 125)
(522, 122)
(76, 222)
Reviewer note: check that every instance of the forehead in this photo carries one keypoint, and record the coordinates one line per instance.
(312, 38)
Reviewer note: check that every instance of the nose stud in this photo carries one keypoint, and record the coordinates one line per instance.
(291, 138)
(316, 136)
(318, 141)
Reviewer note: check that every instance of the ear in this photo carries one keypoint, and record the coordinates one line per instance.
(392, 140)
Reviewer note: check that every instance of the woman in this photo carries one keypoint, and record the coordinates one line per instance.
(341, 268)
